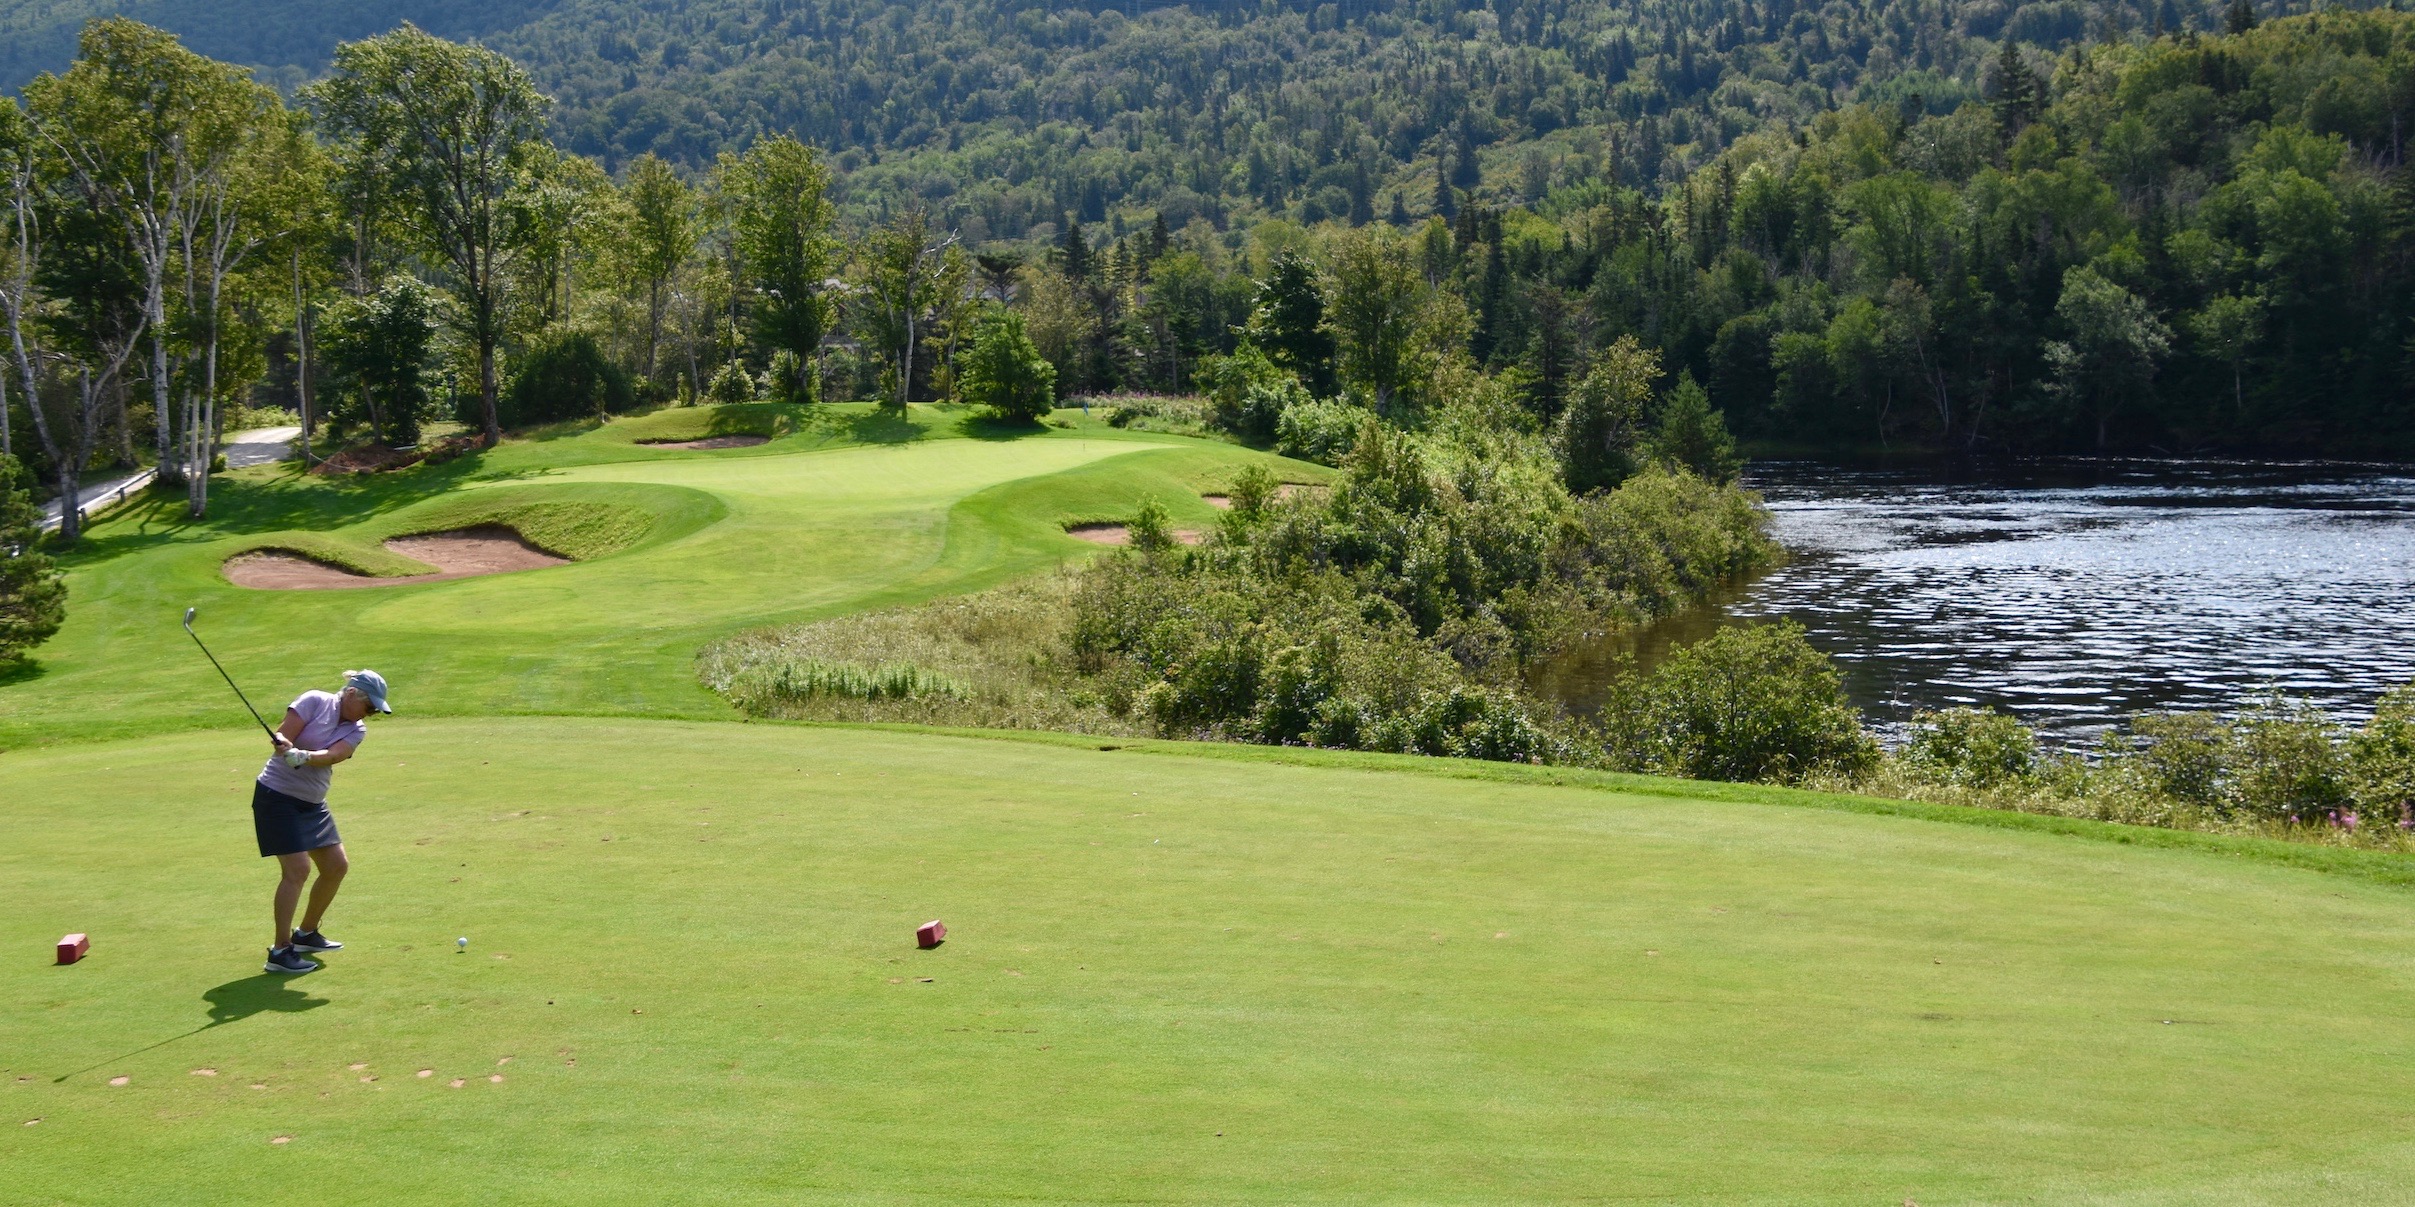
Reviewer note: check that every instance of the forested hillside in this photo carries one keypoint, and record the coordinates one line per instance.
(1003, 114)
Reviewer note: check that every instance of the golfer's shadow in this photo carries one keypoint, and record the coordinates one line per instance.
(260, 993)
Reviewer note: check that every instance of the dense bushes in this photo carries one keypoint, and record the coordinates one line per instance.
(1755, 703)
(565, 375)
(2279, 766)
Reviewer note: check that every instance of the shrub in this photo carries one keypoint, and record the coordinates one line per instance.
(1002, 371)
(1970, 747)
(2287, 763)
(1247, 393)
(564, 375)
(1747, 704)
(1151, 528)
(33, 595)
(2381, 761)
(2182, 755)
(1693, 435)
(789, 379)
(1319, 430)
(731, 383)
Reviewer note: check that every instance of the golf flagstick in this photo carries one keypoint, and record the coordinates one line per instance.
(230, 679)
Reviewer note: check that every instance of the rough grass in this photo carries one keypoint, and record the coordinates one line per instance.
(1000, 648)
(1381, 979)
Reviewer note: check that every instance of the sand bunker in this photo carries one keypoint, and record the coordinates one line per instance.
(463, 553)
(710, 442)
(1225, 502)
(1119, 534)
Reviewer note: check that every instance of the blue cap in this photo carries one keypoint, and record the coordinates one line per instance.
(370, 684)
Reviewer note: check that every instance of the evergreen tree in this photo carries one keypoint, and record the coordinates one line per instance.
(2240, 17)
(1692, 435)
(1288, 323)
(33, 594)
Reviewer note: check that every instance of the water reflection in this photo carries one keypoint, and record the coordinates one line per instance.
(2075, 593)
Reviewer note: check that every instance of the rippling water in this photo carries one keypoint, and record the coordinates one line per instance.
(2077, 593)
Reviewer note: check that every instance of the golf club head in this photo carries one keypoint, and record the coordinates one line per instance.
(188, 618)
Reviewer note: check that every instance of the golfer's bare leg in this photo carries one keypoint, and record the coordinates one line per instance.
(292, 870)
(332, 866)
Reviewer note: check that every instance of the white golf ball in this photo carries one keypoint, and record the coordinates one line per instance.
(462, 941)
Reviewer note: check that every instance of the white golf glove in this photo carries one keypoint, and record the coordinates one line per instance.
(297, 757)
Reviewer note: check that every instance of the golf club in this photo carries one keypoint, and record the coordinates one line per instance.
(230, 679)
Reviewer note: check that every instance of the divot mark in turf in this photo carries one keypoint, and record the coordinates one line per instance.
(119, 1080)
(457, 1083)
(495, 1078)
(425, 1073)
(205, 1072)
(280, 1139)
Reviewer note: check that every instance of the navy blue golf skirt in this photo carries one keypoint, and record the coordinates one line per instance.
(288, 825)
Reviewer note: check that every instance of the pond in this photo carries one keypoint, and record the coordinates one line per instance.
(2075, 593)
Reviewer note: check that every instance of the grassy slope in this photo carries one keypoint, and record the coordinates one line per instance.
(851, 509)
(1378, 985)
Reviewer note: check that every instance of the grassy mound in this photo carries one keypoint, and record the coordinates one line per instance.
(578, 529)
(673, 424)
(1173, 974)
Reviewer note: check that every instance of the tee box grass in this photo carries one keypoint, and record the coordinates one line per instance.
(1173, 973)
(692, 976)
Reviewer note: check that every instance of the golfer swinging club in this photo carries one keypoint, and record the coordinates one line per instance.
(289, 808)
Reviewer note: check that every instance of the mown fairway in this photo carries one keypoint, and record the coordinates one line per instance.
(692, 942)
(855, 511)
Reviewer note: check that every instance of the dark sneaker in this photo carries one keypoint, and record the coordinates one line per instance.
(286, 959)
(311, 940)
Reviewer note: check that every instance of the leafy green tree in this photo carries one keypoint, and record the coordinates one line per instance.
(33, 594)
(907, 271)
(2116, 342)
(1596, 437)
(1378, 302)
(455, 127)
(2229, 327)
(149, 136)
(1691, 434)
(73, 300)
(564, 374)
(382, 346)
(1003, 371)
(661, 237)
(782, 228)
(1288, 322)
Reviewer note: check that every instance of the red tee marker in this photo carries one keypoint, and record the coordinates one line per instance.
(73, 947)
(930, 934)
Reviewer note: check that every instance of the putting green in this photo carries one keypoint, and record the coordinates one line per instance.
(851, 509)
(1170, 977)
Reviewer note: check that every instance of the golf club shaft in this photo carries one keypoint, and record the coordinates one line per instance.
(230, 682)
